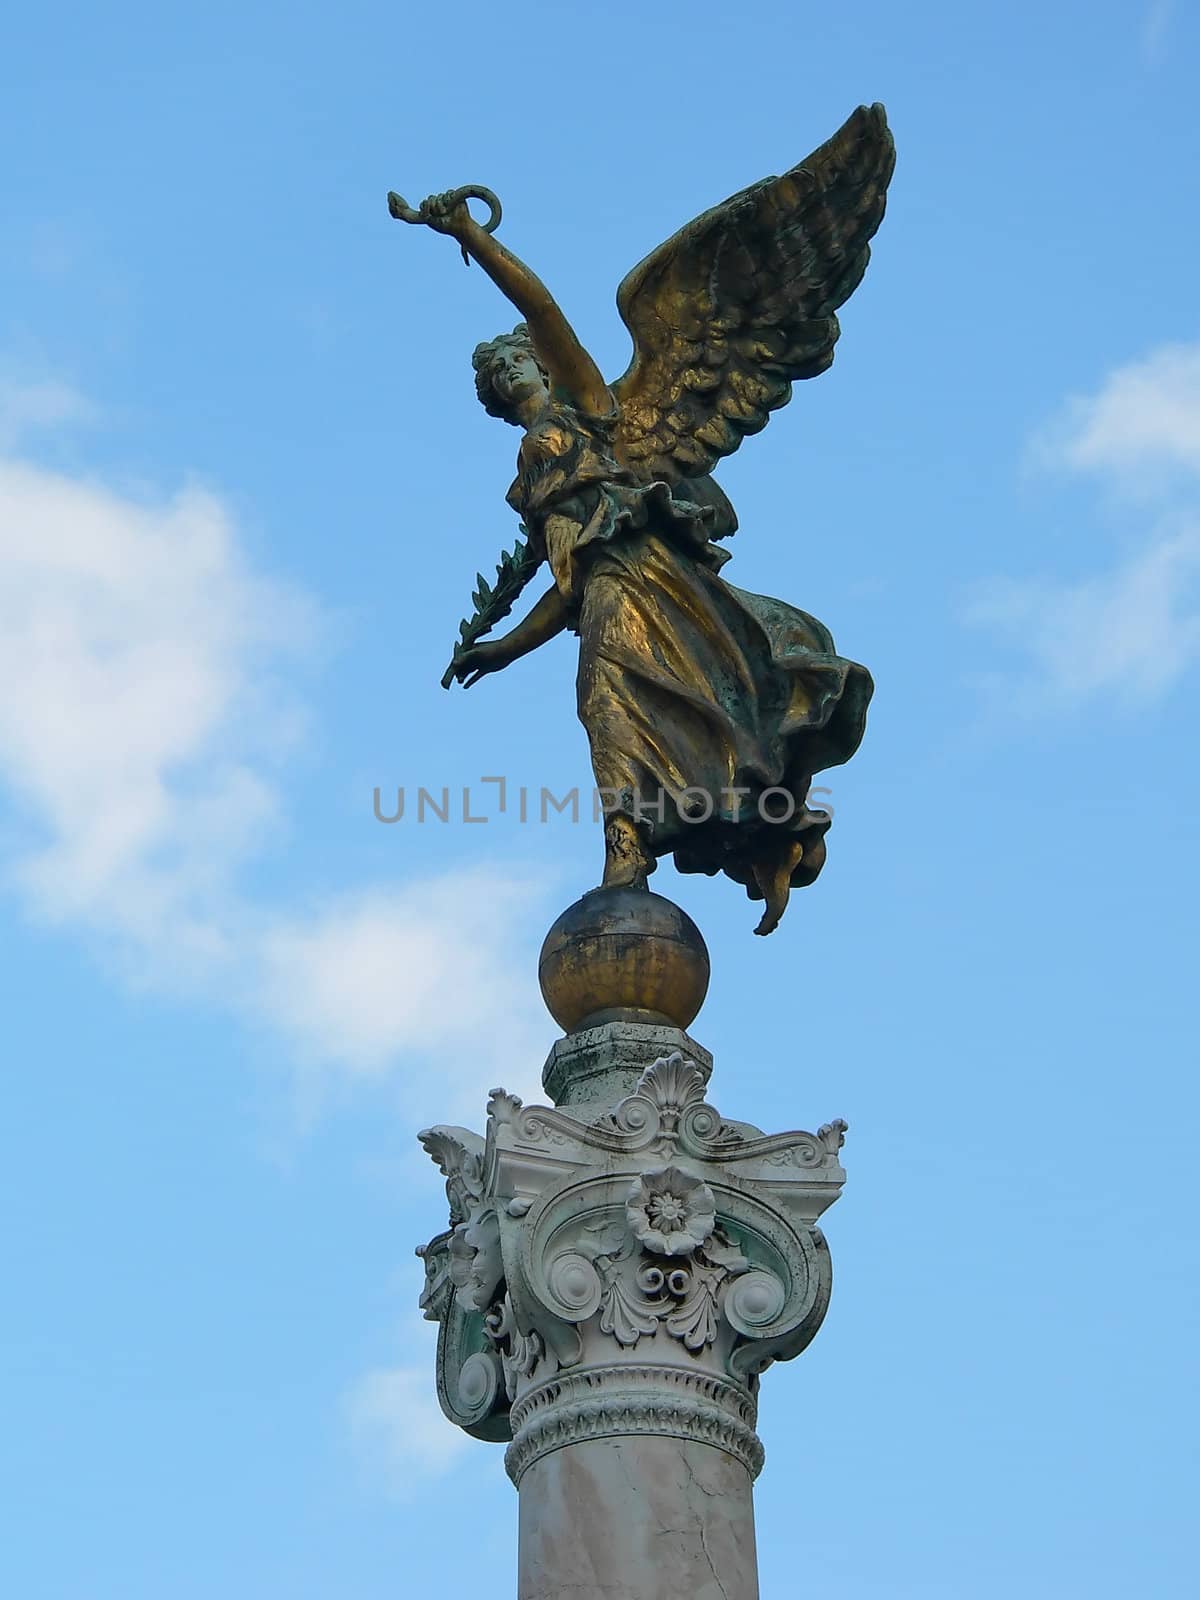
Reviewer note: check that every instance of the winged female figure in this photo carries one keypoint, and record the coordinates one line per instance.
(708, 709)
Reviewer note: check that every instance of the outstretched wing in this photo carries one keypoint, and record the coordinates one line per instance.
(739, 304)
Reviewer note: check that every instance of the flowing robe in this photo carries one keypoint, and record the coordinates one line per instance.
(708, 709)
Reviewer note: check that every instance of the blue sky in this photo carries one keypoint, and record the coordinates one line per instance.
(244, 489)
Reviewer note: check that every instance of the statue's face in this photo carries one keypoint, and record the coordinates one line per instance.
(517, 377)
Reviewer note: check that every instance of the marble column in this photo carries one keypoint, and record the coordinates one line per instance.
(628, 1518)
(619, 1270)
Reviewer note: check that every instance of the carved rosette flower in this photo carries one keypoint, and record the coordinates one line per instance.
(671, 1212)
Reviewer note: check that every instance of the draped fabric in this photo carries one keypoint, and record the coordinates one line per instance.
(708, 709)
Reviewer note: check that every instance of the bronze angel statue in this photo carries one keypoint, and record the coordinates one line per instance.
(708, 709)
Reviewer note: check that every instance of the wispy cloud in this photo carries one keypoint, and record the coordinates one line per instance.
(1155, 27)
(1140, 431)
(1128, 632)
(398, 1429)
(436, 969)
(137, 716)
(29, 407)
(147, 709)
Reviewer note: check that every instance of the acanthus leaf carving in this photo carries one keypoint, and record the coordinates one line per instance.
(644, 1292)
(502, 1107)
(694, 1320)
(627, 1314)
(459, 1154)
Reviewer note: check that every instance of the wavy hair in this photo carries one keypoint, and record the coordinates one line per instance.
(488, 356)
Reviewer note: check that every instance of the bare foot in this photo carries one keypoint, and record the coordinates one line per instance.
(774, 878)
(627, 862)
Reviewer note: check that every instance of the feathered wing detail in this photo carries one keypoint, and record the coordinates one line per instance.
(739, 304)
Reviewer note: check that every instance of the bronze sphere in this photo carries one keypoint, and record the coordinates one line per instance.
(623, 955)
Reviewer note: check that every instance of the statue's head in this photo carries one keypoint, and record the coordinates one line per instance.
(508, 373)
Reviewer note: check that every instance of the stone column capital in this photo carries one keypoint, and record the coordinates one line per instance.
(628, 1269)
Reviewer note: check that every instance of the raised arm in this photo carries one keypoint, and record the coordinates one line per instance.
(569, 364)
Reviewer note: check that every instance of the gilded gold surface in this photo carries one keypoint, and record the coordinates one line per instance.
(708, 709)
(623, 955)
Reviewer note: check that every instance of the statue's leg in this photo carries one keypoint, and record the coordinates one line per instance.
(627, 861)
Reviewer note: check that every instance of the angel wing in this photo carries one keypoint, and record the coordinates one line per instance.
(739, 304)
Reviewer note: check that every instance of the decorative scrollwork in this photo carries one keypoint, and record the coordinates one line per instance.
(519, 1352)
(754, 1301)
(479, 1380)
(573, 1286)
(807, 1150)
(643, 1293)
(621, 1400)
(657, 1231)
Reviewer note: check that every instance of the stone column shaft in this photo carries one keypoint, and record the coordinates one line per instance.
(637, 1518)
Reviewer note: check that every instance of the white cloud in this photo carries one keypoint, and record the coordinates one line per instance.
(136, 725)
(1125, 634)
(398, 1427)
(27, 407)
(1142, 425)
(145, 712)
(432, 968)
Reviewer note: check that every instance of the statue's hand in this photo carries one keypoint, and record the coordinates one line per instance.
(448, 213)
(445, 213)
(477, 660)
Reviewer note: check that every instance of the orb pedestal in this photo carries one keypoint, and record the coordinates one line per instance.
(623, 955)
